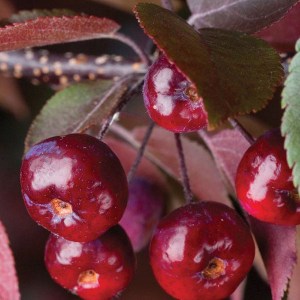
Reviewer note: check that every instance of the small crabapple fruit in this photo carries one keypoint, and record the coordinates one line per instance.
(144, 209)
(99, 269)
(74, 186)
(172, 100)
(201, 251)
(264, 182)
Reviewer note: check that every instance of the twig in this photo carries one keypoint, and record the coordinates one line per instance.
(140, 153)
(183, 170)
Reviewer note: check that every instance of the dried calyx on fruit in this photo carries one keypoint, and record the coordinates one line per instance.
(264, 182)
(171, 99)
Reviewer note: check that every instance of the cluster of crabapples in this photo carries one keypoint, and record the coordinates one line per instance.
(76, 187)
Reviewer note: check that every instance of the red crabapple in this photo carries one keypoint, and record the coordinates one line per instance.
(201, 251)
(99, 269)
(264, 183)
(74, 186)
(172, 100)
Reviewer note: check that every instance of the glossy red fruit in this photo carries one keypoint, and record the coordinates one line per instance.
(264, 183)
(100, 269)
(145, 207)
(74, 186)
(171, 100)
(201, 251)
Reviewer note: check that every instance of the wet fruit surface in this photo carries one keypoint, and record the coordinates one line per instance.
(201, 251)
(264, 183)
(74, 186)
(100, 269)
(171, 100)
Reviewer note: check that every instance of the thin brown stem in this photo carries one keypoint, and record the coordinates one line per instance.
(235, 124)
(183, 170)
(140, 153)
(126, 40)
(128, 96)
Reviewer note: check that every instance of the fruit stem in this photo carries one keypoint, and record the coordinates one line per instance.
(133, 90)
(167, 4)
(140, 153)
(236, 125)
(183, 170)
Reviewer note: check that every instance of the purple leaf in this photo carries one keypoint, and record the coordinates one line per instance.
(53, 30)
(294, 290)
(226, 156)
(205, 179)
(9, 289)
(241, 15)
(238, 294)
(277, 245)
(284, 34)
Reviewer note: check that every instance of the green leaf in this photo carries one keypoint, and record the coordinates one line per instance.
(234, 73)
(290, 126)
(77, 108)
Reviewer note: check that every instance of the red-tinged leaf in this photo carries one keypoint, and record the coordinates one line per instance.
(238, 294)
(226, 156)
(277, 245)
(284, 34)
(53, 30)
(127, 155)
(244, 15)
(294, 286)
(233, 72)
(9, 288)
(205, 179)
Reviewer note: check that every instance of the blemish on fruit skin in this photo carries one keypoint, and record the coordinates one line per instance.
(49, 171)
(268, 170)
(105, 202)
(67, 251)
(112, 260)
